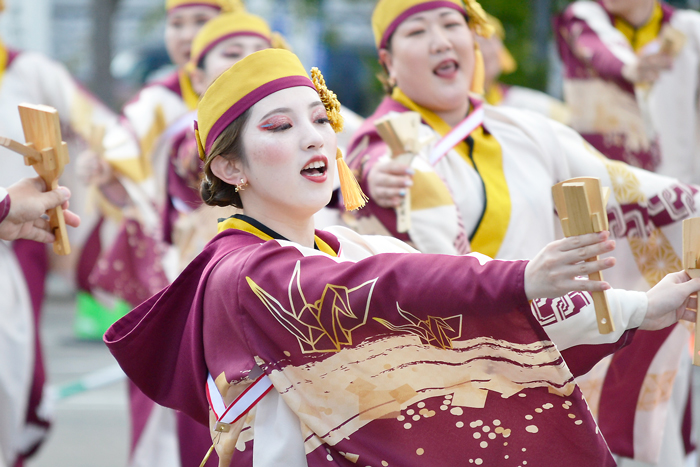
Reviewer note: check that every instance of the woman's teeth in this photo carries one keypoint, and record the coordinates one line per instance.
(315, 168)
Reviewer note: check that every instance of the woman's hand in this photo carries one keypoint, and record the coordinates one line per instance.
(28, 204)
(671, 300)
(388, 181)
(93, 169)
(647, 68)
(552, 273)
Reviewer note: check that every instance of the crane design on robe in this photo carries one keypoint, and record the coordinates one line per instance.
(325, 324)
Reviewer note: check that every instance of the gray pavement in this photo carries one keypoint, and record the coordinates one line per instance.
(90, 428)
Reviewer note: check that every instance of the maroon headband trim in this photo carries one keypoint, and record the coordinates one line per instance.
(250, 100)
(183, 5)
(208, 48)
(412, 11)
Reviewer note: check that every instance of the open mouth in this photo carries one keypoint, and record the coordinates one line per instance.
(314, 169)
(446, 69)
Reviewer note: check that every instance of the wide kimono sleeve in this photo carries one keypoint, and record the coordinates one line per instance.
(287, 304)
(589, 45)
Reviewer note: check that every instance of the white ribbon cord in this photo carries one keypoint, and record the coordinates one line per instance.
(242, 404)
(458, 134)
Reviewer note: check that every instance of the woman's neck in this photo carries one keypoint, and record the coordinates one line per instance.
(299, 231)
(453, 116)
(639, 14)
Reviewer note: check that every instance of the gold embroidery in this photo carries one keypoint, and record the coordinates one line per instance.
(436, 331)
(322, 326)
(656, 390)
(653, 253)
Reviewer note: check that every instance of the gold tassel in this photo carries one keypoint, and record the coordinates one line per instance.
(478, 19)
(206, 458)
(479, 76)
(353, 197)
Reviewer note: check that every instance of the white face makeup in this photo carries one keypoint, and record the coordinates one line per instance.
(290, 152)
(432, 59)
(223, 56)
(182, 24)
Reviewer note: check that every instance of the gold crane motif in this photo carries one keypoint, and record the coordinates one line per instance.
(436, 331)
(326, 324)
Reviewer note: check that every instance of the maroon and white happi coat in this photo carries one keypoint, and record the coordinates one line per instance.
(654, 127)
(30, 77)
(631, 392)
(381, 356)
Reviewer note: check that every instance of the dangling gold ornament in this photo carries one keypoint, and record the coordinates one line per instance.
(353, 197)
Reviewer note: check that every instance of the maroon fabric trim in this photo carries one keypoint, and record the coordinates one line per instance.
(4, 207)
(170, 82)
(687, 425)
(185, 5)
(91, 252)
(11, 55)
(620, 391)
(251, 99)
(412, 11)
(208, 48)
(582, 358)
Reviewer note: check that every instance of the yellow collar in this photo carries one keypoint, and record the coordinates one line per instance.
(247, 224)
(639, 37)
(487, 159)
(4, 56)
(188, 93)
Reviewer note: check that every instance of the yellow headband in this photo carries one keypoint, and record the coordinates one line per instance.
(389, 14)
(253, 78)
(224, 26)
(256, 76)
(225, 6)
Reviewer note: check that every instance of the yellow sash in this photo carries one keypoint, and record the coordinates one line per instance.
(188, 93)
(640, 37)
(3, 60)
(487, 160)
(240, 224)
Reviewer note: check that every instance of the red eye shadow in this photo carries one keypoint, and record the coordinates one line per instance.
(274, 123)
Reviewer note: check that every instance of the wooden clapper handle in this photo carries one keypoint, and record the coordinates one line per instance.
(400, 133)
(48, 154)
(691, 264)
(580, 203)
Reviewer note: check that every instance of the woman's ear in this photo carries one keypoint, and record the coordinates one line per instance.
(227, 170)
(386, 60)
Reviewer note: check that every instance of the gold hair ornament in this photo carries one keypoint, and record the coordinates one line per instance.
(478, 18)
(353, 197)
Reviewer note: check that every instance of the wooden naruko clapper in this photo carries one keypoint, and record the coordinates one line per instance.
(691, 264)
(48, 154)
(400, 132)
(580, 203)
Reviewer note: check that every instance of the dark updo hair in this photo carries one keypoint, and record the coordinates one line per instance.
(229, 145)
